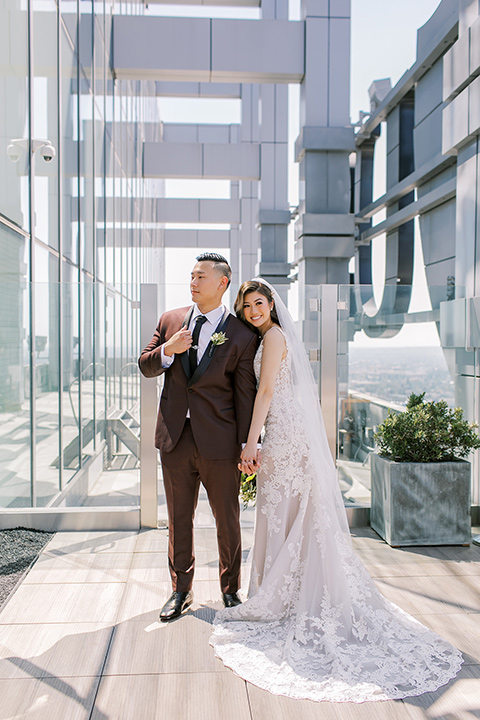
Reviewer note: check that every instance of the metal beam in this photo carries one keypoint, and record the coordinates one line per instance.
(167, 210)
(223, 3)
(236, 161)
(436, 48)
(427, 202)
(198, 89)
(201, 133)
(208, 50)
(423, 174)
(197, 238)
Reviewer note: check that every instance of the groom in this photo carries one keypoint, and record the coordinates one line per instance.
(205, 410)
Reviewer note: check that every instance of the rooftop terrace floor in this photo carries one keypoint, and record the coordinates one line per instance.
(79, 639)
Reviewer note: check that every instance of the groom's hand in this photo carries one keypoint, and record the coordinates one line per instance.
(178, 343)
(250, 459)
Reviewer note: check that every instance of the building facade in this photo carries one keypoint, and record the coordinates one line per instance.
(78, 234)
(431, 118)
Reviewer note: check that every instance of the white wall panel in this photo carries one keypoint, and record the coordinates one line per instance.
(315, 8)
(340, 8)
(314, 90)
(455, 122)
(339, 72)
(474, 107)
(172, 160)
(437, 230)
(197, 160)
(429, 91)
(235, 161)
(281, 113)
(197, 238)
(466, 216)
(197, 89)
(427, 137)
(456, 63)
(475, 47)
(173, 210)
(254, 51)
(267, 199)
(281, 176)
(164, 48)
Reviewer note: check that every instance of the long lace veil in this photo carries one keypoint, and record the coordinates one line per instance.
(325, 484)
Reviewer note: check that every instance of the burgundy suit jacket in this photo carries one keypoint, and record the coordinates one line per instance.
(220, 394)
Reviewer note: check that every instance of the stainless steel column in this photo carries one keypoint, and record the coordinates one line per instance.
(328, 364)
(148, 415)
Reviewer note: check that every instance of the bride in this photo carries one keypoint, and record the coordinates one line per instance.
(315, 625)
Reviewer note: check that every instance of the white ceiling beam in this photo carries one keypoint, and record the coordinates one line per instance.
(208, 50)
(219, 161)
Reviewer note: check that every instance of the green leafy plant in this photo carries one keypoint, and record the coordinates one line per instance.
(426, 432)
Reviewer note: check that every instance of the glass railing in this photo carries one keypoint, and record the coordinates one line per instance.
(69, 400)
(388, 344)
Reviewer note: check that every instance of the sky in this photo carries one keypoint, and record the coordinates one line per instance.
(383, 44)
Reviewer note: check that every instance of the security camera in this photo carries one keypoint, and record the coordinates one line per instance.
(14, 151)
(47, 151)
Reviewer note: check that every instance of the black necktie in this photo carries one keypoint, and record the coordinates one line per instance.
(192, 355)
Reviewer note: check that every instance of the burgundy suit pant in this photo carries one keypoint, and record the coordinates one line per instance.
(183, 471)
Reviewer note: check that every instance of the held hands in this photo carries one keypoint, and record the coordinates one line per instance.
(178, 343)
(250, 459)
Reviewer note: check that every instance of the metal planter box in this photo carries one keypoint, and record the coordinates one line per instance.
(421, 503)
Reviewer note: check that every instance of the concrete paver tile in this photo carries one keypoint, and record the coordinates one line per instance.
(39, 604)
(64, 649)
(265, 705)
(49, 698)
(202, 696)
(92, 542)
(461, 629)
(458, 700)
(80, 568)
(143, 647)
(428, 595)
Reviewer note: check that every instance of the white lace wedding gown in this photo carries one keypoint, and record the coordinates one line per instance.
(315, 626)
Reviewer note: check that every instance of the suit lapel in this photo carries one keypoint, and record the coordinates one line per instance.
(209, 350)
(184, 355)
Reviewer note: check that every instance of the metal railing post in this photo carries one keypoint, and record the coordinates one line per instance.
(328, 367)
(148, 415)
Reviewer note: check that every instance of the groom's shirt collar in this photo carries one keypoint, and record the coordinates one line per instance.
(213, 317)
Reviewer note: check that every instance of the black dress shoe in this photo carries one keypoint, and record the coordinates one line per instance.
(230, 600)
(175, 605)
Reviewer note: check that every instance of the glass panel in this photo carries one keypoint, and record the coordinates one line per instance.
(47, 439)
(45, 121)
(15, 427)
(87, 369)
(388, 347)
(69, 159)
(87, 195)
(14, 167)
(70, 379)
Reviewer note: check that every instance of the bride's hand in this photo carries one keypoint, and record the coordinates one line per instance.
(248, 460)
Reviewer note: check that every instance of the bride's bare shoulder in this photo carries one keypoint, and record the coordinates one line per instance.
(274, 338)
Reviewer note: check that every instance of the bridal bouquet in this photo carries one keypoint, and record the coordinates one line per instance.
(248, 489)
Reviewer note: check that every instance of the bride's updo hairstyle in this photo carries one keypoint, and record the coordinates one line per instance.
(249, 287)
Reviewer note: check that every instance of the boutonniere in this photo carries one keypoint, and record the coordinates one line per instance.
(218, 338)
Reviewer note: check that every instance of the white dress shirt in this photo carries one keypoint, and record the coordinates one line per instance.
(206, 332)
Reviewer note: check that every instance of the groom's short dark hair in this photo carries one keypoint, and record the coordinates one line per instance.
(219, 262)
